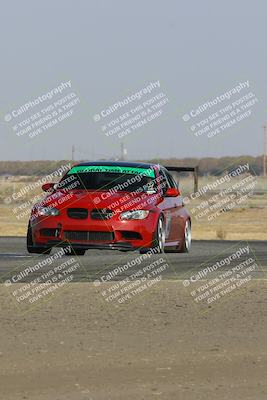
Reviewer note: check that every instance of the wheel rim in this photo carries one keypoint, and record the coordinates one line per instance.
(161, 235)
(187, 235)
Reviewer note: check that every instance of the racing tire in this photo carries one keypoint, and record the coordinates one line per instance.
(186, 244)
(31, 248)
(158, 242)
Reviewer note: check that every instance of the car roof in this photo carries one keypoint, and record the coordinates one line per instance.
(119, 163)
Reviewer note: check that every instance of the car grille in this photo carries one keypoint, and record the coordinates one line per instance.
(89, 235)
(101, 213)
(77, 213)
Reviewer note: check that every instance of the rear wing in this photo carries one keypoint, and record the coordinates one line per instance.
(195, 171)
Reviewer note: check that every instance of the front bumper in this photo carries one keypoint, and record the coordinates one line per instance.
(141, 232)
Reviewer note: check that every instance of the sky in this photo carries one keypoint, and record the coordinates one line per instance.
(112, 49)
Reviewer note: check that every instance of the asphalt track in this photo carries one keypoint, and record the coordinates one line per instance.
(14, 257)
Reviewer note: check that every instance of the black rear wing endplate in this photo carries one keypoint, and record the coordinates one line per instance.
(195, 171)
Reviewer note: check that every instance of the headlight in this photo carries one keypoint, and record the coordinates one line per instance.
(48, 211)
(134, 214)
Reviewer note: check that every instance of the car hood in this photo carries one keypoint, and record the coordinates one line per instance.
(90, 199)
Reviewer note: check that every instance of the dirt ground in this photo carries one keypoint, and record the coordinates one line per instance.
(76, 347)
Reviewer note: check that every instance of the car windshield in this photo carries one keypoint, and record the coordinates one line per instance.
(115, 178)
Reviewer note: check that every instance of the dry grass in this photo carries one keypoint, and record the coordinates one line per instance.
(247, 224)
(221, 233)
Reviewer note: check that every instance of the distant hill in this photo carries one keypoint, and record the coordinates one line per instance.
(207, 165)
(212, 165)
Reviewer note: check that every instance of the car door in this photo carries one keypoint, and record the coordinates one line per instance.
(177, 205)
(168, 206)
(177, 216)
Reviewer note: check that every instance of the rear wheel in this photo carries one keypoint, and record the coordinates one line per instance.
(187, 238)
(31, 248)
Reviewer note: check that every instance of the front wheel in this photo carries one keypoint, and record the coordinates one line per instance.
(159, 237)
(158, 242)
(186, 244)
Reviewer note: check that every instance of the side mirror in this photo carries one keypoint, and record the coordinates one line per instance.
(172, 192)
(48, 187)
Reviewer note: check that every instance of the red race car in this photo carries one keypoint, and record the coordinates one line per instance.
(111, 205)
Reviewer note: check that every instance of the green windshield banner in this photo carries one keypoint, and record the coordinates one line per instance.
(112, 169)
